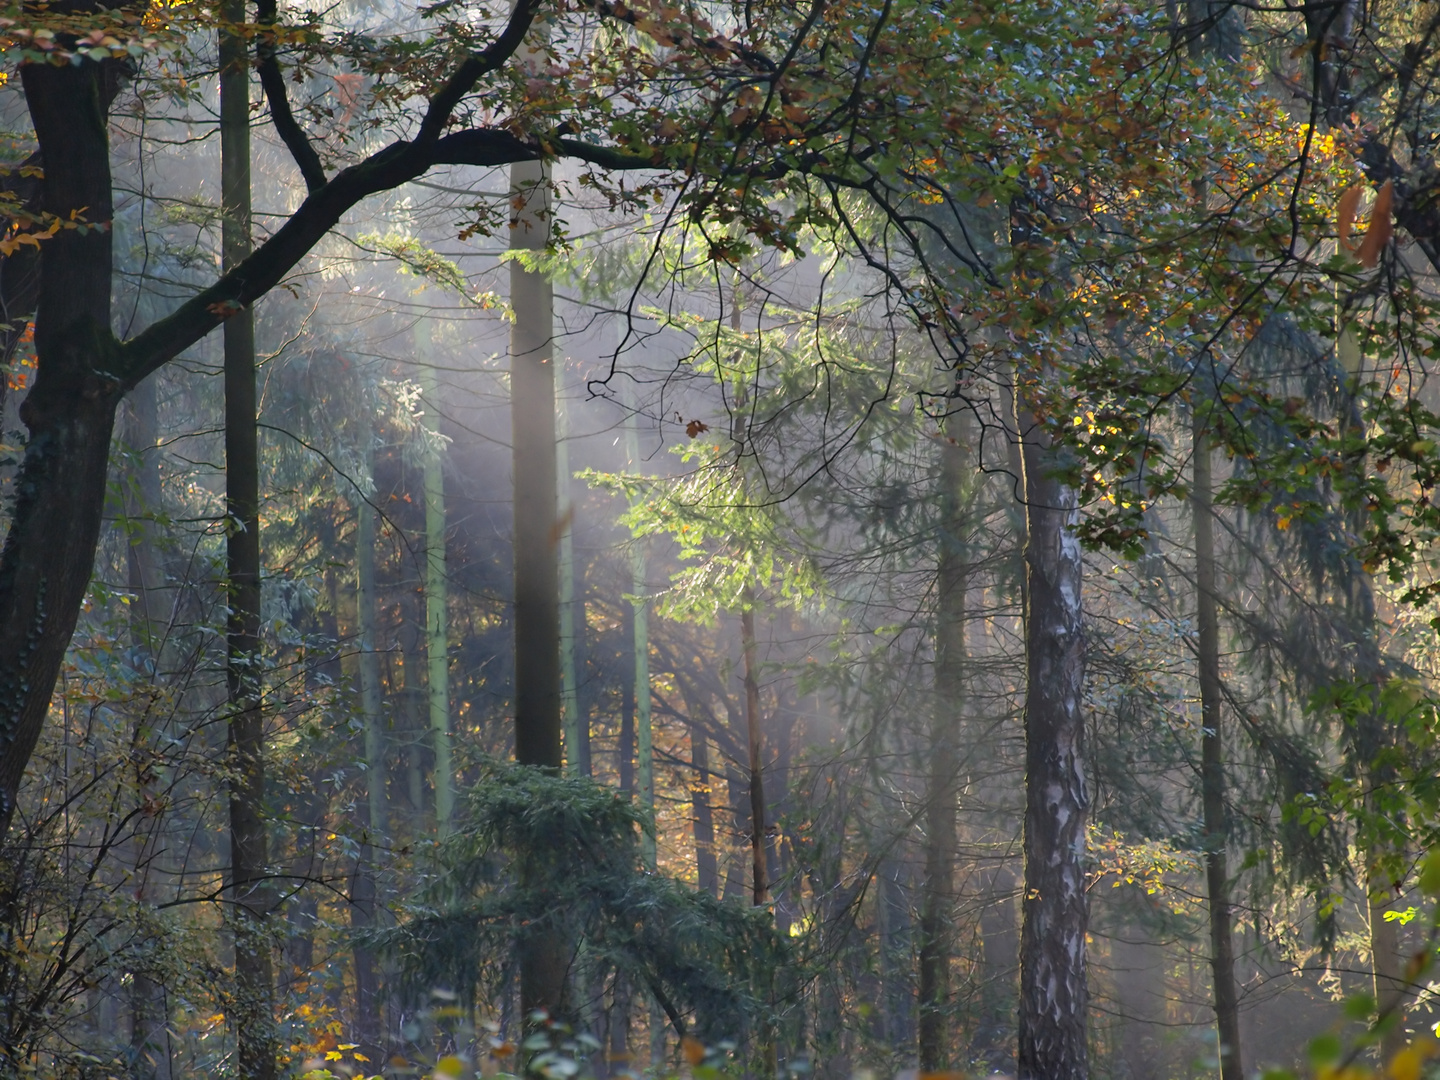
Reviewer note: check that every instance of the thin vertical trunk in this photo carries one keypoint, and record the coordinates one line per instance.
(437, 641)
(572, 612)
(538, 734)
(625, 748)
(1212, 766)
(952, 583)
(759, 887)
(707, 871)
(253, 1013)
(1053, 993)
(373, 825)
(149, 1009)
(739, 815)
(640, 624)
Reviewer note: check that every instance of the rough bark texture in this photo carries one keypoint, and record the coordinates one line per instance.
(252, 1012)
(1212, 770)
(46, 562)
(952, 583)
(1053, 994)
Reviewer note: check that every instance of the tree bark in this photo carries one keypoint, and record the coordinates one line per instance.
(538, 734)
(1212, 767)
(952, 584)
(759, 886)
(1055, 910)
(374, 825)
(149, 1008)
(572, 610)
(640, 625)
(437, 640)
(253, 1013)
(707, 869)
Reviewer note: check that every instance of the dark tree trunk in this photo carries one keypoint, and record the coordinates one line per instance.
(538, 729)
(952, 583)
(149, 617)
(1053, 995)
(759, 885)
(1212, 769)
(707, 871)
(253, 1012)
(49, 550)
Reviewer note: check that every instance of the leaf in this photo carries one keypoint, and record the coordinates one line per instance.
(1345, 215)
(1381, 227)
(696, 427)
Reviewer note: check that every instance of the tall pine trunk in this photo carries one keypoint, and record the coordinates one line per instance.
(437, 639)
(1055, 910)
(253, 1013)
(952, 583)
(640, 627)
(374, 826)
(1212, 765)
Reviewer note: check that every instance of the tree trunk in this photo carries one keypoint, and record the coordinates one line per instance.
(538, 735)
(952, 583)
(374, 826)
(1055, 912)
(49, 551)
(572, 610)
(625, 749)
(149, 1009)
(640, 623)
(1212, 768)
(759, 887)
(437, 641)
(707, 871)
(253, 1013)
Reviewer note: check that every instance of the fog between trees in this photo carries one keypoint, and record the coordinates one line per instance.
(754, 539)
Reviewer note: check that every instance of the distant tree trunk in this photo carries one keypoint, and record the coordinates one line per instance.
(253, 1012)
(437, 640)
(1053, 994)
(149, 1009)
(538, 733)
(735, 789)
(373, 824)
(707, 871)
(759, 887)
(625, 748)
(640, 622)
(572, 609)
(937, 901)
(1212, 766)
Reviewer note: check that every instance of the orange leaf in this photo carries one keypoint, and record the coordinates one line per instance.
(1345, 215)
(1381, 227)
(693, 1049)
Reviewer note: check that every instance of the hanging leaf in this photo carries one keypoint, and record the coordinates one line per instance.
(1345, 215)
(1381, 227)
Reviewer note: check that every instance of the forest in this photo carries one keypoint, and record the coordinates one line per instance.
(719, 539)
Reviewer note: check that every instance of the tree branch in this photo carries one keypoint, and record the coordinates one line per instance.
(272, 81)
(442, 105)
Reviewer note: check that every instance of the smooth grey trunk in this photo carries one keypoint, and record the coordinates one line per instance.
(640, 628)
(252, 1013)
(938, 889)
(1055, 909)
(572, 611)
(1212, 765)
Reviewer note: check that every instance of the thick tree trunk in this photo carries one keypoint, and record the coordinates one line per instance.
(1212, 768)
(49, 550)
(952, 583)
(437, 639)
(1053, 995)
(538, 735)
(252, 1013)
